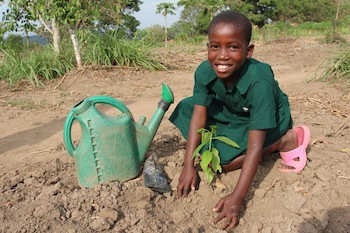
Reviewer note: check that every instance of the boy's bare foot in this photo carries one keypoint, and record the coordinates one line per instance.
(289, 141)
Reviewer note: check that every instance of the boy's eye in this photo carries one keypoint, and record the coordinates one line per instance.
(213, 46)
(233, 47)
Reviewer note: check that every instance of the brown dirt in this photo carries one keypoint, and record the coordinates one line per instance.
(38, 182)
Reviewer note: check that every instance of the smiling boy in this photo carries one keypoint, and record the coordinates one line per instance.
(240, 96)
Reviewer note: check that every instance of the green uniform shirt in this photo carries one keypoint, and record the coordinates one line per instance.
(253, 102)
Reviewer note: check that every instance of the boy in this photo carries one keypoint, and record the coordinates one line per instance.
(240, 96)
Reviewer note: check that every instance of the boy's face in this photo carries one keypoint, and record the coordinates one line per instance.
(228, 50)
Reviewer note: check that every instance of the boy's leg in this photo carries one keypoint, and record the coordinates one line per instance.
(287, 142)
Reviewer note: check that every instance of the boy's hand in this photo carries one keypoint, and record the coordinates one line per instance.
(187, 180)
(230, 210)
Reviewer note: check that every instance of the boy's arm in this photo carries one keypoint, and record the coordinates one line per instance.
(232, 203)
(188, 177)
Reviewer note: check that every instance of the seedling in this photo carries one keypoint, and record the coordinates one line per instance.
(210, 160)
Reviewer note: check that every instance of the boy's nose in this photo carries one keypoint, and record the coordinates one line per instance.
(223, 54)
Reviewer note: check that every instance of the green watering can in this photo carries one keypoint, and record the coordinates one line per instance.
(111, 148)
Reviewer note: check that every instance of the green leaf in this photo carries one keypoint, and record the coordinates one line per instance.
(227, 141)
(213, 129)
(210, 176)
(206, 158)
(215, 161)
(201, 130)
(206, 137)
(215, 153)
(196, 151)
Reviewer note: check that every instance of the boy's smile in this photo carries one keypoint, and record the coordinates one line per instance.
(227, 51)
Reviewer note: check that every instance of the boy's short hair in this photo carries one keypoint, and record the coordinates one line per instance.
(235, 18)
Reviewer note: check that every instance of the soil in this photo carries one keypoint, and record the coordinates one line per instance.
(39, 190)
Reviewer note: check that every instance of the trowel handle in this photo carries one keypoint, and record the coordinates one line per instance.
(67, 137)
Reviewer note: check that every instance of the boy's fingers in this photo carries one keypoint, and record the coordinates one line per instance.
(232, 225)
(179, 190)
(218, 206)
(218, 218)
(182, 190)
(193, 185)
(185, 190)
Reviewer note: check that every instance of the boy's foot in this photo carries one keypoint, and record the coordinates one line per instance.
(295, 160)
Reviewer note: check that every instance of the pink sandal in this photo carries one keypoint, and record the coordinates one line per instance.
(288, 157)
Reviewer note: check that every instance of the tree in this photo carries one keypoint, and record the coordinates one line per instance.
(121, 19)
(186, 26)
(299, 11)
(18, 18)
(56, 14)
(206, 10)
(165, 8)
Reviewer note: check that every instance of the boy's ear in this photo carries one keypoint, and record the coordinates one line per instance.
(250, 50)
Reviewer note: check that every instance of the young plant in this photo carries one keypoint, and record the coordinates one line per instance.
(210, 160)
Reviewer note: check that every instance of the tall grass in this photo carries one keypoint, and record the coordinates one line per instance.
(337, 69)
(41, 63)
(34, 67)
(109, 49)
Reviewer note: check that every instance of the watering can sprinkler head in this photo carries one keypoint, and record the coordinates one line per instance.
(167, 98)
(167, 94)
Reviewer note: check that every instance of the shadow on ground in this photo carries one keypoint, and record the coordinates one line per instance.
(31, 136)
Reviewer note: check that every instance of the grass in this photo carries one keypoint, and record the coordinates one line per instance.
(36, 65)
(337, 70)
(26, 104)
(33, 67)
(109, 49)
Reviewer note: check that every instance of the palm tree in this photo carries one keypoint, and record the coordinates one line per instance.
(166, 8)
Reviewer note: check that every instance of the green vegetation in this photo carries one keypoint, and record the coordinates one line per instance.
(38, 63)
(279, 30)
(26, 104)
(105, 32)
(337, 70)
(109, 49)
(34, 66)
(210, 160)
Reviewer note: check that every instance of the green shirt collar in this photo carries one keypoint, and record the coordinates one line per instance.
(242, 83)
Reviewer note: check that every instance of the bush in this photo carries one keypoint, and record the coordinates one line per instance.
(14, 42)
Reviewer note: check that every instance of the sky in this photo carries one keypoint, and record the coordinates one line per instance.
(147, 14)
(148, 17)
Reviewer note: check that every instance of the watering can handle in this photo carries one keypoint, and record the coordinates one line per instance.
(67, 137)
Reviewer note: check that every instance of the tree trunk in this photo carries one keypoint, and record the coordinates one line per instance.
(55, 36)
(166, 32)
(55, 32)
(75, 42)
(337, 13)
(27, 39)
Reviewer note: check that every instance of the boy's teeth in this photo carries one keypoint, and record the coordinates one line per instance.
(222, 66)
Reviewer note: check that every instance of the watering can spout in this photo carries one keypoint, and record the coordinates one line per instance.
(144, 140)
(163, 106)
